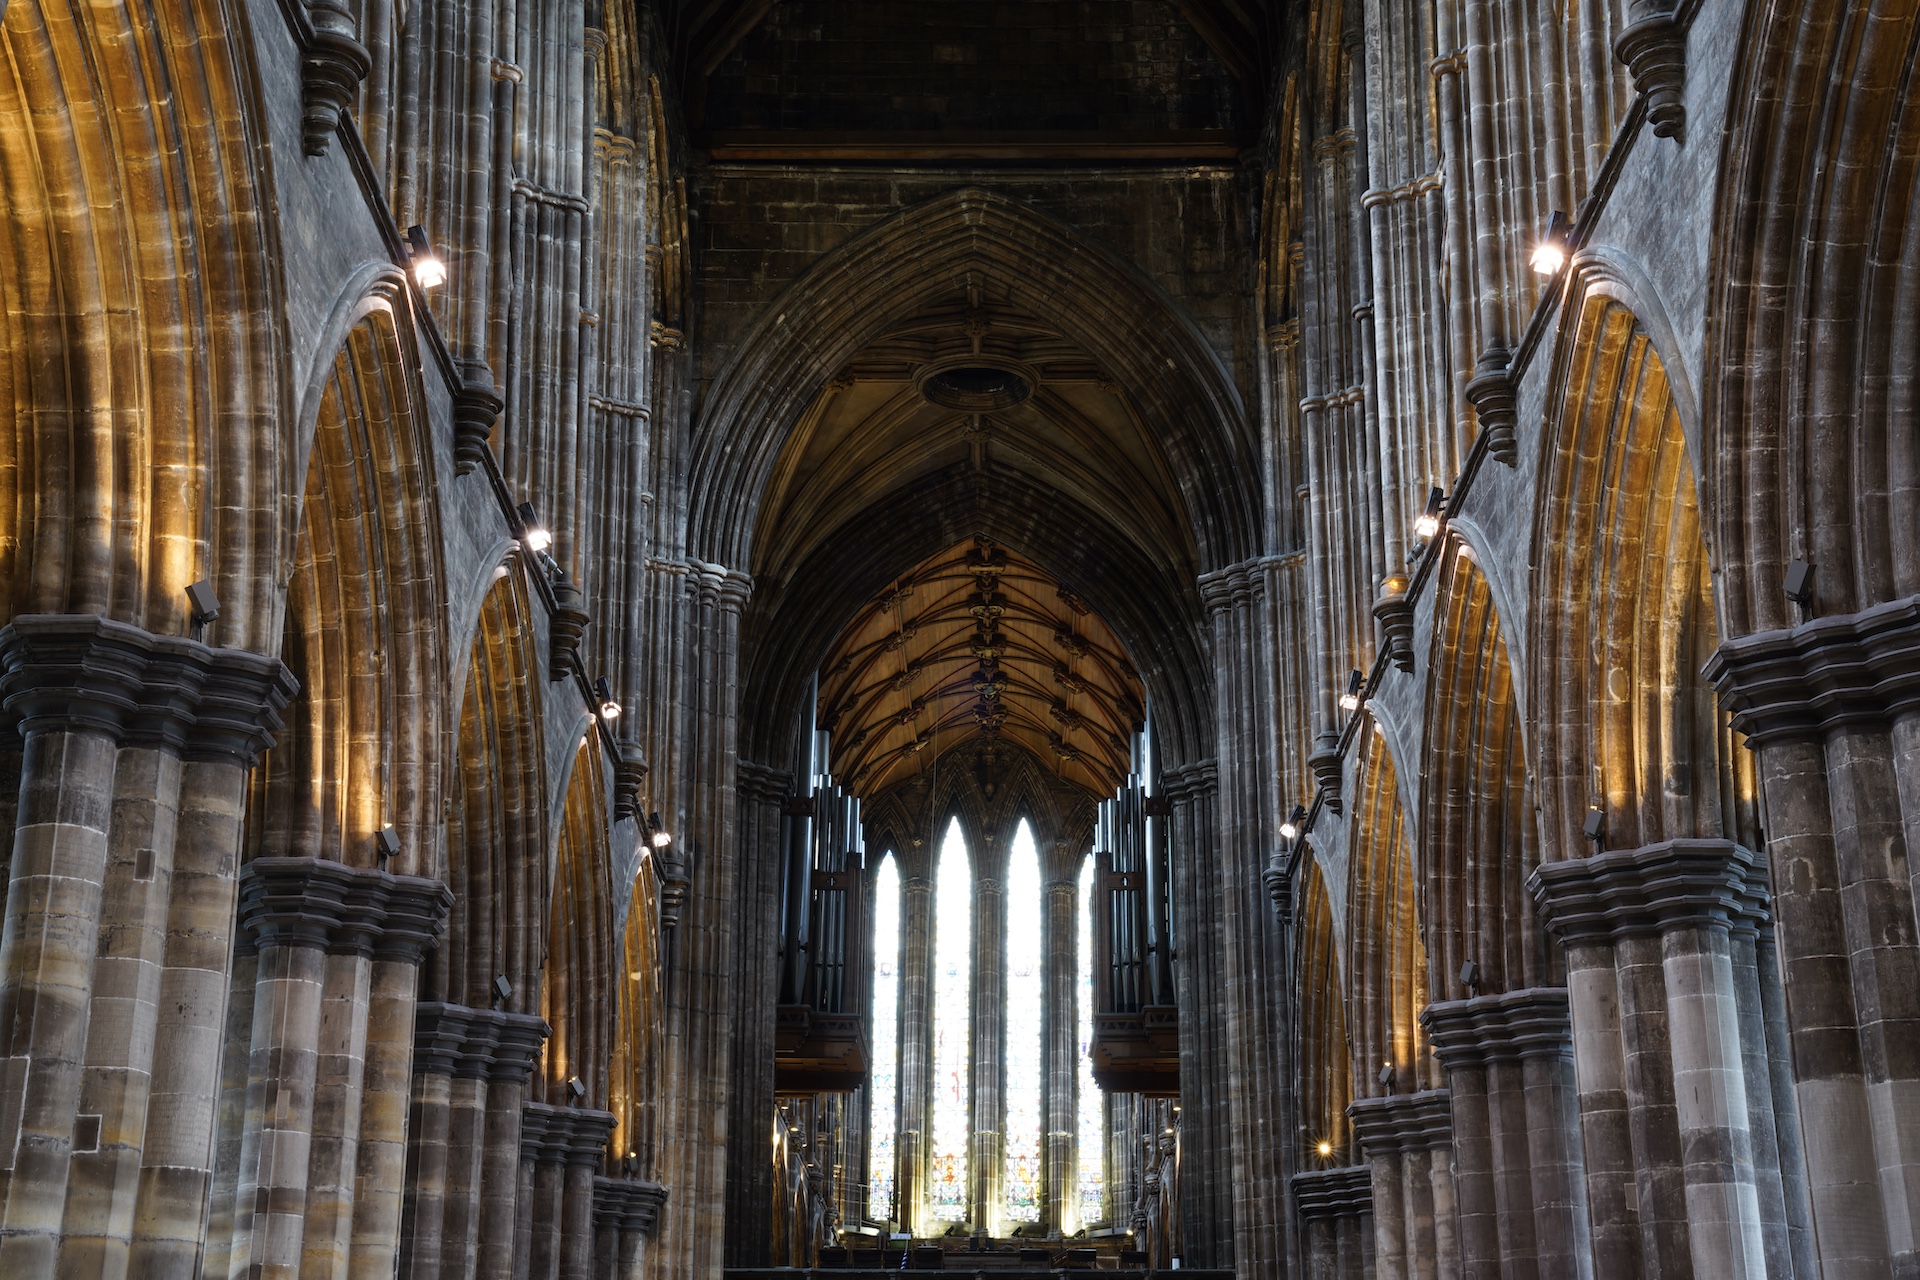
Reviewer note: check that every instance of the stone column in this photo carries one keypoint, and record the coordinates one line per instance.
(626, 1213)
(762, 793)
(134, 749)
(989, 1050)
(561, 1147)
(916, 1032)
(1661, 917)
(1516, 1136)
(1407, 1140)
(317, 927)
(1335, 1211)
(467, 1063)
(1062, 1047)
(1833, 708)
(1206, 1209)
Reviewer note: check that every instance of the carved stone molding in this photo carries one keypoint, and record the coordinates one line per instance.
(1394, 612)
(1534, 1022)
(629, 772)
(491, 1044)
(1496, 401)
(476, 404)
(343, 910)
(1403, 1122)
(1650, 889)
(765, 784)
(564, 1135)
(1327, 764)
(623, 1204)
(1279, 881)
(1850, 669)
(332, 66)
(1654, 49)
(87, 672)
(1346, 1192)
(565, 628)
(1190, 782)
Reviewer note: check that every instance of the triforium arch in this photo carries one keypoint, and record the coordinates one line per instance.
(882, 276)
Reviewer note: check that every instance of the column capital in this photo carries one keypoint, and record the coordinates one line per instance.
(1650, 889)
(1190, 781)
(1857, 668)
(88, 672)
(315, 902)
(762, 783)
(1402, 1122)
(491, 1044)
(1345, 1192)
(564, 1135)
(1233, 587)
(1534, 1022)
(628, 1204)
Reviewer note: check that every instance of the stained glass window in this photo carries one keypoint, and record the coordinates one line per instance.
(1093, 1120)
(885, 1038)
(1024, 1048)
(952, 1029)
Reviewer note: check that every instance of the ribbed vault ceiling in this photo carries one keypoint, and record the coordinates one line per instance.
(978, 643)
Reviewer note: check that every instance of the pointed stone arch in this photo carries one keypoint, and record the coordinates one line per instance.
(1386, 969)
(1324, 1054)
(878, 278)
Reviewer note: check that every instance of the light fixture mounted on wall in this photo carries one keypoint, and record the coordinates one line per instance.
(1470, 977)
(203, 606)
(1427, 524)
(428, 271)
(386, 845)
(657, 836)
(609, 705)
(1350, 700)
(1595, 827)
(532, 532)
(1798, 584)
(1291, 827)
(1551, 253)
(502, 990)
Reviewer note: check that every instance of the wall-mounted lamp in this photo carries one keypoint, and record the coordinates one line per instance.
(658, 837)
(1428, 522)
(533, 533)
(576, 1090)
(1291, 827)
(428, 271)
(1325, 1148)
(1551, 253)
(203, 606)
(609, 705)
(1470, 977)
(1350, 700)
(502, 990)
(1387, 1076)
(386, 845)
(1798, 584)
(1595, 827)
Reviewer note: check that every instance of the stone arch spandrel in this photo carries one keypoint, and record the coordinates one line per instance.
(138, 305)
(1324, 1053)
(365, 624)
(579, 946)
(881, 276)
(1815, 313)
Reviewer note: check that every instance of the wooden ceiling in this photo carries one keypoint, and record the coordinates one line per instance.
(978, 643)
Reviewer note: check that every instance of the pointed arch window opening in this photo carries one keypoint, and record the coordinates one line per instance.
(1024, 1127)
(947, 1170)
(885, 1038)
(1091, 1157)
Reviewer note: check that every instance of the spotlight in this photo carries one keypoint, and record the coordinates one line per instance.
(1798, 583)
(203, 606)
(1428, 522)
(1470, 977)
(428, 271)
(533, 533)
(1326, 1148)
(1387, 1076)
(576, 1090)
(502, 990)
(609, 705)
(1291, 827)
(1595, 827)
(1551, 253)
(386, 845)
(1350, 700)
(659, 838)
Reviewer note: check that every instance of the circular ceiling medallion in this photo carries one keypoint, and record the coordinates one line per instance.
(975, 383)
